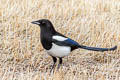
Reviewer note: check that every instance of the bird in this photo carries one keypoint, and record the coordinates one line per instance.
(58, 45)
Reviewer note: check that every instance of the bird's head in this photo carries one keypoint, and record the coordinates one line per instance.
(44, 24)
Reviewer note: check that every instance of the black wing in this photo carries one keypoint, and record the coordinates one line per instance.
(74, 45)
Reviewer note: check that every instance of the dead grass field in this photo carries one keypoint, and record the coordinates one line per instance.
(90, 22)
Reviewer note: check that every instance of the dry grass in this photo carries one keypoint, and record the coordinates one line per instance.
(90, 22)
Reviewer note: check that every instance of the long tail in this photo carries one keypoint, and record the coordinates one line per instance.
(97, 49)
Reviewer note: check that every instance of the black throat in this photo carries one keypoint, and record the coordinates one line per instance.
(46, 37)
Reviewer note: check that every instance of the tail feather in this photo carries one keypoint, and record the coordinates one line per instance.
(97, 49)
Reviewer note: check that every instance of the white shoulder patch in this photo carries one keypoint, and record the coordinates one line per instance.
(59, 38)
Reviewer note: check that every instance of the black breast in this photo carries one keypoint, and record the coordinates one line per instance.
(46, 41)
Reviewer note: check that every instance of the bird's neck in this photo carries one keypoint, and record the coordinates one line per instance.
(47, 31)
(46, 39)
(45, 34)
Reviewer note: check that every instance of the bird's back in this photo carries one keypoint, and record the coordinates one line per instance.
(69, 42)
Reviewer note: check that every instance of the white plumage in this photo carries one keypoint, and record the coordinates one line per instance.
(59, 38)
(59, 51)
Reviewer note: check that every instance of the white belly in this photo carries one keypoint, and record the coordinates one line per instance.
(59, 51)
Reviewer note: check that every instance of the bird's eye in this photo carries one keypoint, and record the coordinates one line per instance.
(43, 22)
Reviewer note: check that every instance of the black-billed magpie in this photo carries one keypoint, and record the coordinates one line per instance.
(58, 45)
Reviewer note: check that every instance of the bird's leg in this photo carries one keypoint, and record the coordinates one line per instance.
(54, 60)
(60, 62)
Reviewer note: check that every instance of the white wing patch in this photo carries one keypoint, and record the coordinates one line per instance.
(59, 38)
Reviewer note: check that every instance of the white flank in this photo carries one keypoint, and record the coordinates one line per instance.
(59, 38)
(59, 51)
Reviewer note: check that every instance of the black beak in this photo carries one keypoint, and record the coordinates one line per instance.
(35, 22)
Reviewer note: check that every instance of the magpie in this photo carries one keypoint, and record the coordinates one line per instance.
(57, 45)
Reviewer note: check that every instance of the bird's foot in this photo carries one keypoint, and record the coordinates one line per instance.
(58, 66)
(52, 68)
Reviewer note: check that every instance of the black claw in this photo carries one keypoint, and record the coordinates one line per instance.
(59, 66)
(52, 68)
(60, 63)
(54, 60)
